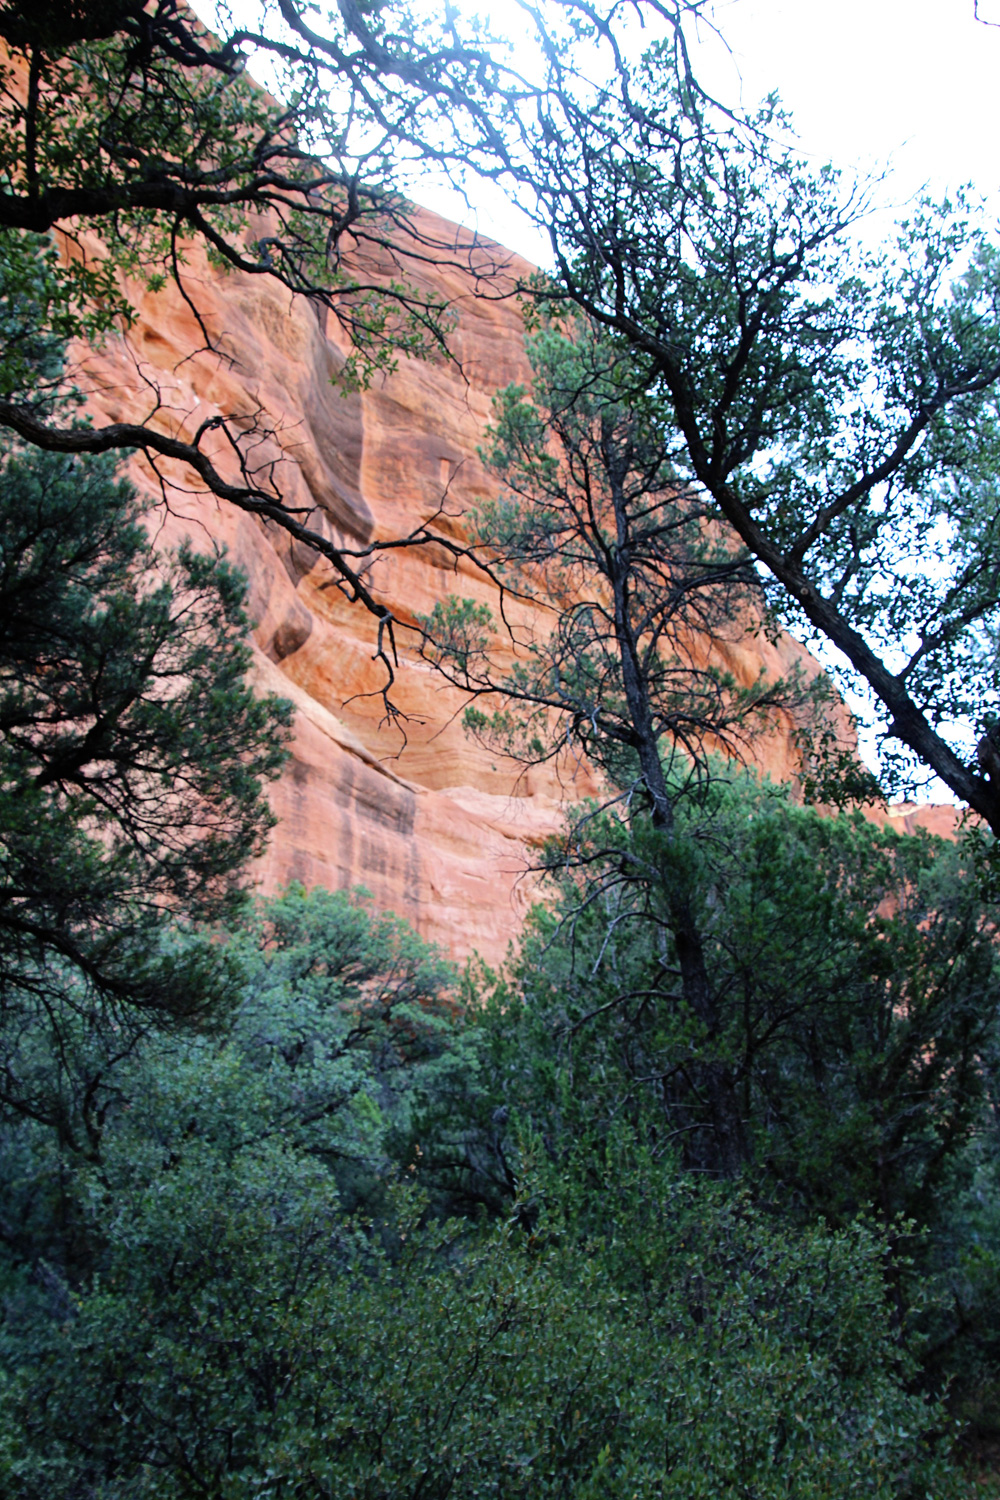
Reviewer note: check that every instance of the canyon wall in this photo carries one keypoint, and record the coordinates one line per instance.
(435, 826)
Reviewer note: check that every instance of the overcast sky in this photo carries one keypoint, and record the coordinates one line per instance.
(916, 80)
(912, 83)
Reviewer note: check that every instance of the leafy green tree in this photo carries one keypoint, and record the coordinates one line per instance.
(837, 406)
(272, 1115)
(629, 588)
(627, 581)
(856, 976)
(133, 758)
(856, 981)
(344, 1015)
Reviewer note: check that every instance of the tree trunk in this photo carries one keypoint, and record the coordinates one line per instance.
(731, 1148)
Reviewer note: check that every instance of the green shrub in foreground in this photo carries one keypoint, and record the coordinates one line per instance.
(246, 1338)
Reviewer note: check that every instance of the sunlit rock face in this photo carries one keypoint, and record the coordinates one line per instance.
(941, 819)
(435, 826)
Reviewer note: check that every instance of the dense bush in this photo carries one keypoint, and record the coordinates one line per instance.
(243, 1293)
(236, 1332)
(858, 985)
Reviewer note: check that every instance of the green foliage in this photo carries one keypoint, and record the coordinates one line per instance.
(213, 1320)
(856, 982)
(132, 763)
(218, 1180)
(345, 1014)
(241, 1294)
(489, 1368)
(43, 305)
(624, 577)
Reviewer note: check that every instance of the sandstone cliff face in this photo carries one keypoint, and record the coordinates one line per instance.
(437, 828)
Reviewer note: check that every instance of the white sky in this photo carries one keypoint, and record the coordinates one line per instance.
(911, 83)
(914, 80)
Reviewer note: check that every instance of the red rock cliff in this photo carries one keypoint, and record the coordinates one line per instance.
(439, 829)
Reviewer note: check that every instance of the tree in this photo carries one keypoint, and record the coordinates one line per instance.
(630, 584)
(854, 976)
(344, 1016)
(132, 134)
(226, 1324)
(837, 406)
(132, 762)
(854, 972)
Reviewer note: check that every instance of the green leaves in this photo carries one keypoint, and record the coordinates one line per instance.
(854, 982)
(833, 405)
(122, 694)
(615, 579)
(199, 1309)
(246, 1338)
(133, 758)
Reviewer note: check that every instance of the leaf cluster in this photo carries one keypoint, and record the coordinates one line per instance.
(133, 757)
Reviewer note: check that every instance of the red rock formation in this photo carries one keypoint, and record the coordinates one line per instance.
(437, 829)
(937, 818)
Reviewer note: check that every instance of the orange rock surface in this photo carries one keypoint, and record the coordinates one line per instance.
(937, 818)
(437, 828)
